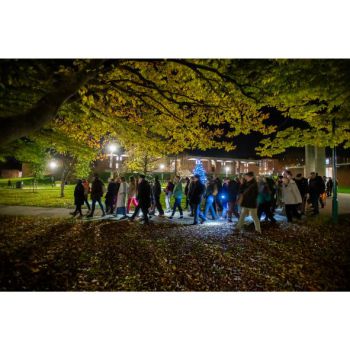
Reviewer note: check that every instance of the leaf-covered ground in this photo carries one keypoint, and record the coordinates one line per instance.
(56, 254)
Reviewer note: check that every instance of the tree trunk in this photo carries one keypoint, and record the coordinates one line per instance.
(17, 126)
(63, 180)
(145, 165)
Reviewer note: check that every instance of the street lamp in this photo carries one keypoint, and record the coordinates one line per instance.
(161, 167)
(227, 169)
(53, 164)
(112, 148)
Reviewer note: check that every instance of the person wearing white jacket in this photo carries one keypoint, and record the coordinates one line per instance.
(291, 198)
(122, 198)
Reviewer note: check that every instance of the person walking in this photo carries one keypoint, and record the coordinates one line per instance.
(195, 196)
(329, 187)
(143, 198)
(302, 185)
(233, 191)
(78, 198)
(122, 196)
(224, 198)
(316, 187)
(132, 194)
(97, 190)
(291, 198)
(87, 190)
(264, 201)
(177, 193)
(190, 189)
(249, 201)
(188, 181)
(210, 194)
(157, 190)
(272, 188)
(168, 193)
(111, 195)
(217, 198)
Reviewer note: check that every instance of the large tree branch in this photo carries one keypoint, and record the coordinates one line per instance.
(23, 124)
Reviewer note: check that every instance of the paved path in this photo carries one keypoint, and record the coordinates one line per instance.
(344, 208)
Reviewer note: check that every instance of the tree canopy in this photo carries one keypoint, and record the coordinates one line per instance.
(172, 104)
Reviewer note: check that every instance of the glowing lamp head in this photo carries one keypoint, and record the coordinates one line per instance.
(227, 168)
(161, 166)
(53, 164)
(112, 148)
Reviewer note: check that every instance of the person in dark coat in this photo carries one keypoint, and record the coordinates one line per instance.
(196, 195)
(249, 201)
(233, 191)
(316, 188)
(188, 181)
(189, 193)
(224, 198)
(329, 187)
(111, 196)
(302, 184)
(78, 198)
(273, 189)
(210, 195)
(157, 190)
(97, 189)
(218, 200)
(144, 199)
(264, 201)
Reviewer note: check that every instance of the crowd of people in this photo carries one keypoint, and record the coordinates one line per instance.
(239, 197)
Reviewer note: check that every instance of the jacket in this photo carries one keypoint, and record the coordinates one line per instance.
(111, 194)
(302, 186)
(132, 190)
(157, 189)
(122, 195)
(316, 186)
(97, 189)
(177, 192)
(291, 194)
(144, 194)
(197, 192)
(233, 190)
(249, 192)
(79, 195)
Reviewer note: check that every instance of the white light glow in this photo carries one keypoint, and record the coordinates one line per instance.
(112, 148)
(161, 166)
(53, 164)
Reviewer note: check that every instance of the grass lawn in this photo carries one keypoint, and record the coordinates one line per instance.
(342, 189)
(46, 196)
(64, 254)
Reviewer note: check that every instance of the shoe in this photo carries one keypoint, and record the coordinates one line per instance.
(194, 223)
(89, 216)
(73, 213)
(103, 215)
(181, 217)
(170, 217)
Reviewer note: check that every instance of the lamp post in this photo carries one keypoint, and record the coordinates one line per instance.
(161, 167)
(334, 171)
